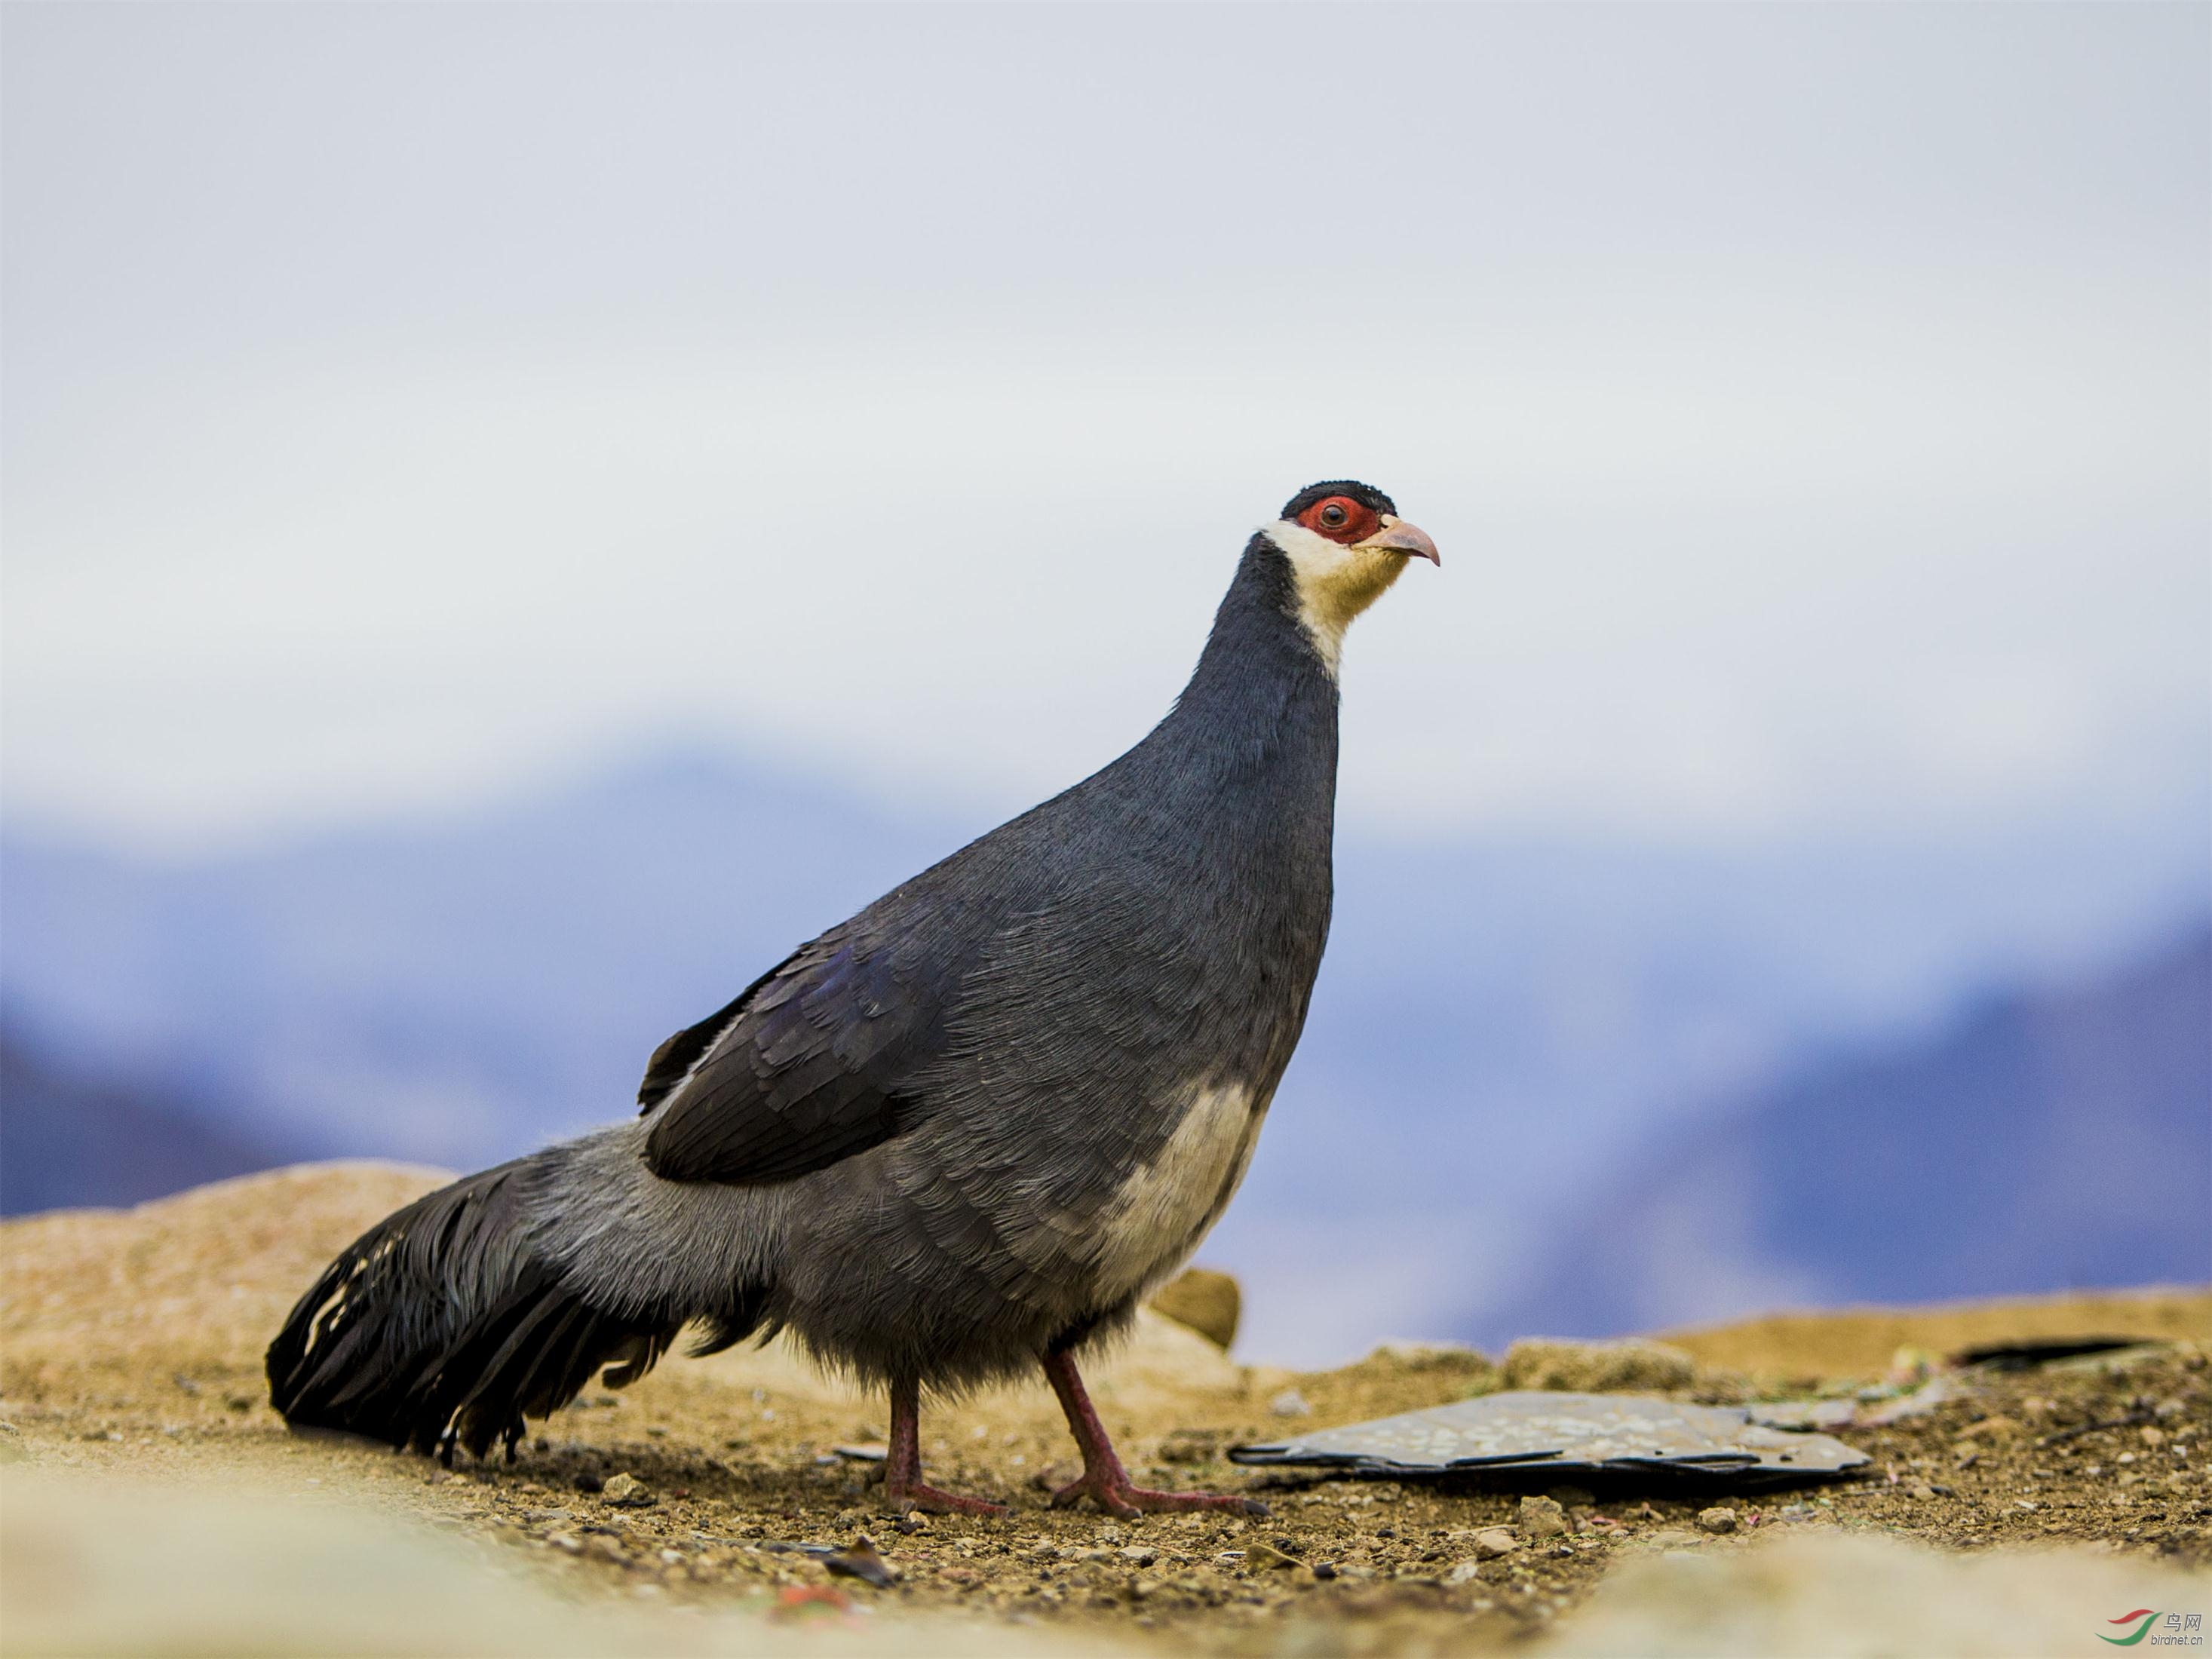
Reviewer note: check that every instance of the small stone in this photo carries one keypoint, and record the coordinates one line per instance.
(1494, 1542)
(1189, 1446)
(1324, 1571)
(1290, 1403)
(1466, 1572)
(1717, 1520)
(1205, 1301)
(1994, 1428)
(1674, 1538)
(1542, 1517)
(588, 1482)
(1142, 1555)
(862, 1561)
(1921, 1491)
(627, 1492)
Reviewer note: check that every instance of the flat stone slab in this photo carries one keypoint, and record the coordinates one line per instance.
(1568, 1433)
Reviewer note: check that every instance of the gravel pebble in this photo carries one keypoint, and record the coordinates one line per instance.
(1542, 1517)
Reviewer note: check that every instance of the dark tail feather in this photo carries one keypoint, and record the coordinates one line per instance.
(439, 1326)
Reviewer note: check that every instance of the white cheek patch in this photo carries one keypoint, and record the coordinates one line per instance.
(1335, 582)
(1164, 1208)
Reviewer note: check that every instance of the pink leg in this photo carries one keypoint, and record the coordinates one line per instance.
(1104, 1481)
(902, 1483)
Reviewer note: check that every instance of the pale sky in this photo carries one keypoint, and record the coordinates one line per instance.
(405, 403)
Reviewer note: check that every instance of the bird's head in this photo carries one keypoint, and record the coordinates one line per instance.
(1345, 543)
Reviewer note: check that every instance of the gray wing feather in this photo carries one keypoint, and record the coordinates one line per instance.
(800, 1073)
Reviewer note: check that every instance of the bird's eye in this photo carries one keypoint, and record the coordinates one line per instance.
(1339, 518)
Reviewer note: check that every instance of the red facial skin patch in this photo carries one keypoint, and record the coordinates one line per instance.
(1341, 519)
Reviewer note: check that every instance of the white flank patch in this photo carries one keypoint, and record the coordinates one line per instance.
(1335, 582)
(1167, 1205)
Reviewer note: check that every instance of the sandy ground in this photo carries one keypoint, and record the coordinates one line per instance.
(155, 1503)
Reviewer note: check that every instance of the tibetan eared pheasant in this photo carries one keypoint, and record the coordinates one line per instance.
(964, 1132)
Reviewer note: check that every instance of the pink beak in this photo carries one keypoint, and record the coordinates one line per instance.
(1402, 538)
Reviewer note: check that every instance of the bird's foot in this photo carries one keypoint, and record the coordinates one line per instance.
(1114, 1494)
(903, 1495)
(1104, 1481)
(903, 1487)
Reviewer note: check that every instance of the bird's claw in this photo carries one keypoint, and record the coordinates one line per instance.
(1120, 1498)
(904, 1496)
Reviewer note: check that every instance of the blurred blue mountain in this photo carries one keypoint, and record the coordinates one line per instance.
(2042, 1141)
(450, 991)
(1503, 1025)
(68, 1140)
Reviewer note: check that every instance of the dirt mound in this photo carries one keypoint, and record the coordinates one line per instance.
(130, 1362)
(1863, 1341)
(213, 1268)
